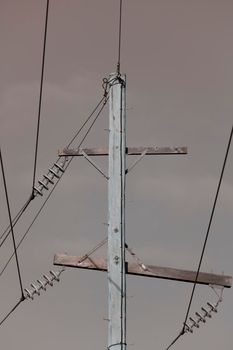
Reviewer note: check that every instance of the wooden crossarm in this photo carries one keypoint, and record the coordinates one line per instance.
(150, 271)
(129, 151)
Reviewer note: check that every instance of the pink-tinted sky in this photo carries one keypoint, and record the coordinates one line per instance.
(178, 57)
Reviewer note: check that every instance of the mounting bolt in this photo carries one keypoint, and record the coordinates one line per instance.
(116, 259)
(116, 230)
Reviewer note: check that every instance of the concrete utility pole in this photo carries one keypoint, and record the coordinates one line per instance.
(116, 215)
(115, 265)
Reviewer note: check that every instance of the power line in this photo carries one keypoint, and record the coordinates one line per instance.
(206, 239)
(12, 232)
(105, 99)
(42, 284)
(175, 340)
(20, 212)
(49, 281)
(40, 98)
(7, 231)
(119, 38)
(209, 225)
(46, 200)
(14, 221)
(87, 120)
(18, 215)
(11, 311)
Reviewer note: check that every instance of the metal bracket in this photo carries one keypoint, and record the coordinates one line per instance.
(136, 161)
(94, 164)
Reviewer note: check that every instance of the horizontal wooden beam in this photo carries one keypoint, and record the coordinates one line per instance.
(146, 271)
(129, 150)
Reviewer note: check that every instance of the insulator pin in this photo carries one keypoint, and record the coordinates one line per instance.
(200, 318)
(206, 313)
(43, 185)
(54, 173)
(188, 329)
(42, 284)
(195, 324)
(29, 294)
(59, 167)
(38, 191)
(55, 275)
(48, 280)
(35, 289)
(48, 178)
(212, 307)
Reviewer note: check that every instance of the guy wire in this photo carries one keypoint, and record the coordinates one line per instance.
(205, 242)
(12, 231)
(11, 311)
(14, 221)
(49, 195)
(209, 226)
(40, 99)
(21, 211)
(119, 38)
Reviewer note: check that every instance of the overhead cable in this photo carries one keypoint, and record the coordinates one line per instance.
(48, 280)
(119, 38)
(49, 177)
(49, 195)
(18, 215)
(11, 225)
(206, 238)
(14, 221)
(200, 317)
(10, 312)
(59, 167)
(92, 124)
(87, 120)
(205, 314)
(40, 98)
(41, 285)
(209, 225)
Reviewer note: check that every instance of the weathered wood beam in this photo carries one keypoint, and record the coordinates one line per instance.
(129, 151)
(149, 271)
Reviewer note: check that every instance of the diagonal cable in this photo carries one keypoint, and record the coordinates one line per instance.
(84, 257)
(206, 239)
(46, 200)
(105, 100)
(209, 225)
(10, 312)
(87, 120)
(175, 340)
(14, 221)
(12, 232)
(40, 97)
(18, 215)
(119, 38)
(90, 252)
(7, 231)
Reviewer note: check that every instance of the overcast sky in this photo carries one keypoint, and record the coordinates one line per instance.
(178, 58)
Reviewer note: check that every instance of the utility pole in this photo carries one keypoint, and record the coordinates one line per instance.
(116, 266)
(116, 215)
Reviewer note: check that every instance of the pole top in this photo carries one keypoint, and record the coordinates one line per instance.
(116, 77)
